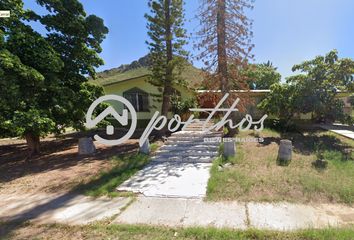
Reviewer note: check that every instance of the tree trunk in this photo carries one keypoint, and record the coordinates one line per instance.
(167, 90)
(222, 59)
(33, 143)
(221, 40)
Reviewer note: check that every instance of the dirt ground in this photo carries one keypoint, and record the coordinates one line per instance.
(59, 167)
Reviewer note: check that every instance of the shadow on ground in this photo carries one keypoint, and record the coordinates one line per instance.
(60, 154)
(306, 143)
(7, 226)
(56, 153)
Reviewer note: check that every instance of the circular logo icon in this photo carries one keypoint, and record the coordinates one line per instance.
(122, 119)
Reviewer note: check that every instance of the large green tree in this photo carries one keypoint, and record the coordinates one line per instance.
(262, 76)
(167, 39)
(314, 90)
(44, 77)
(283, 102)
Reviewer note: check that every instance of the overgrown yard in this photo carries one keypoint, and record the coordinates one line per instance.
(105, 231)
(60, 169)
(255, 176)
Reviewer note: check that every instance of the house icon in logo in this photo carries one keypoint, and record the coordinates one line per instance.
(122, 119)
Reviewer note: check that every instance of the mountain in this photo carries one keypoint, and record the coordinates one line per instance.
(141, 63)
(192, 75)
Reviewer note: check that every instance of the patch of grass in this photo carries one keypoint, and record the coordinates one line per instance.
(105, 184)
(212, 233)
(335, 156)
(221, 149)
(336, 181)
(269, 132)
(239, 156)
(154, 147)
(139, 232)
(255, 176)
(227, 179)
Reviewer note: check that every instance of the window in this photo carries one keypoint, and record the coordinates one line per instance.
(138, 98)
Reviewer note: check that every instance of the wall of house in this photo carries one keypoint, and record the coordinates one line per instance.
(255, 97)
(154, 105)
(141, 83)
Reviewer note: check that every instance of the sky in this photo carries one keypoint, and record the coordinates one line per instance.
(286, 32)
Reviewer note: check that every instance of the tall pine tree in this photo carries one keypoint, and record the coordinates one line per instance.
(167, 38)
(225, 44)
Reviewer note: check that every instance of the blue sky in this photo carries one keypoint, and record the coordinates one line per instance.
(286, 32)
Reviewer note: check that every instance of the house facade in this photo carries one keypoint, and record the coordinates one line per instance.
(143, 96)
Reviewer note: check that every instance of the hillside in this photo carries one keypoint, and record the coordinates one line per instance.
(191, 74)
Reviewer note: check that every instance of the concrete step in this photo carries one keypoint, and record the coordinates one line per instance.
(192, 152)
(189, 146)
(162, 153)
(191, 159)
(177, 147)
(201, 124)
(190, 143)
(195, 129)
(195, 133)
(191, 138)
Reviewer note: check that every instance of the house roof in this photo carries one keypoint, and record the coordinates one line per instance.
(236, 91)
(340, 94)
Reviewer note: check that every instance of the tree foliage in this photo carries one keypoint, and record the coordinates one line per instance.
(281, 101)
(181, 106)
(44, 77)
(262, 76)
(351, 100)
(314, 90)
(167, 39)
(224, 43)
(237, 31)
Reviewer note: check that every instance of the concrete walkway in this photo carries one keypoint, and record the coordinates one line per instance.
(172, 212)
(66, 208)
(344, 130)
(272, 216)
(170, 179)
(180, 168)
